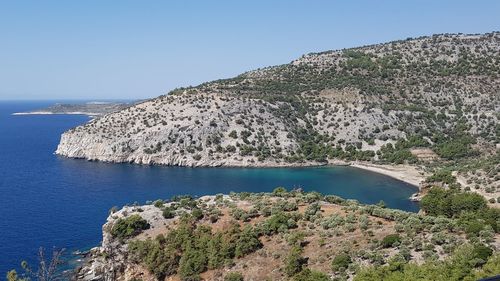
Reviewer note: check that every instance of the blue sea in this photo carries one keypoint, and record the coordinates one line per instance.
(50, 201)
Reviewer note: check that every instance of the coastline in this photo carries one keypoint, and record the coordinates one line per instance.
(403, 172)
(406, 173)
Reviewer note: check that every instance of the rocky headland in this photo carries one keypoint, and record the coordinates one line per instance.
(429, 102)
(281, 236)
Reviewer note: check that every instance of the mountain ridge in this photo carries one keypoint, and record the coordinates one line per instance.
(349, 105)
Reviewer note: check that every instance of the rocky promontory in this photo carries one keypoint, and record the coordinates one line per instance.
(398, 102)
(285, 236)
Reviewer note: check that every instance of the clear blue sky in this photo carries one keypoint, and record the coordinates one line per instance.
(139, 49)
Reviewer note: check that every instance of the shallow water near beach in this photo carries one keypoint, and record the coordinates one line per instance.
(52, 201)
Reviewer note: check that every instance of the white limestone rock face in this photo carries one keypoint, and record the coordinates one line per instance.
(185, 129)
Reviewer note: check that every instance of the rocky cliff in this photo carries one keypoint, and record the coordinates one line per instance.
(347, 104)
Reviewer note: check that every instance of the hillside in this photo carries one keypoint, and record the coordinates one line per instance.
(295, 236)
(426, 100)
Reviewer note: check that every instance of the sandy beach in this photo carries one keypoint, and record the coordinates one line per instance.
(406, 173)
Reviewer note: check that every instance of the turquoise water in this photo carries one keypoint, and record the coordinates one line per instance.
(52, 201)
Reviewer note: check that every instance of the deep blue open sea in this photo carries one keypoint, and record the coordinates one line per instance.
(50, 201)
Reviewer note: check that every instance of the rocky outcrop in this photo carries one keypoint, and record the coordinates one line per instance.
(178, 133)
(109, 262)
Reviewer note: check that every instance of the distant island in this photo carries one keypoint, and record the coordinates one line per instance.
(89, 108)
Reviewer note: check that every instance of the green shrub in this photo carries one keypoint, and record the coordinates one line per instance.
(160, 259)
(443, 176)
(482, 252)
(279, 191)
(341, 261)
(197, 214)
(129, 227)
(192, 263)
(233, 276)
(168, 213)
(294, 262)
(191, 249)
(247, 242)
(158, 203)
(396, 155)
(233, 134)
(390, 240)
(454, 148)
(310, 275)
(461, 266)
(278, 223)
(450, 203)
(311, 211)
(491, 268)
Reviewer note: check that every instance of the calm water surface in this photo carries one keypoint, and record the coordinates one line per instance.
(49, 201)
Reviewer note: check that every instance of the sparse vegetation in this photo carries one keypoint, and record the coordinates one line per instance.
(293, 230)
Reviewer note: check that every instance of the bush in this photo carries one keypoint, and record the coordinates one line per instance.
(168, 213)
(129, 227)
(233, 276)
(279, 191)
(482, 252)
(491, 268)
(396, 155)
(450, 203)
(443, 176)
(247, 242)
(454, 148)
(278, 223)
(158, 203)
(294, 262)
(310, 275)
(461, 266)
(467, 202)
(390, 240)
(159, 260)
(190, 249)
(311, 211)
(192, 263)
(341, 261)
(197, 214)
(233, 134)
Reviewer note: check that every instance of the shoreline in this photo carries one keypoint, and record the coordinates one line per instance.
(402, 172)
(406, 173)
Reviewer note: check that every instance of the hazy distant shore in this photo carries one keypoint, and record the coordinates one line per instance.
(89, 108)
(56, 113)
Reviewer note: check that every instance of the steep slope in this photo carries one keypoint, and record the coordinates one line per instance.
(289, 236)
(440, 92)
